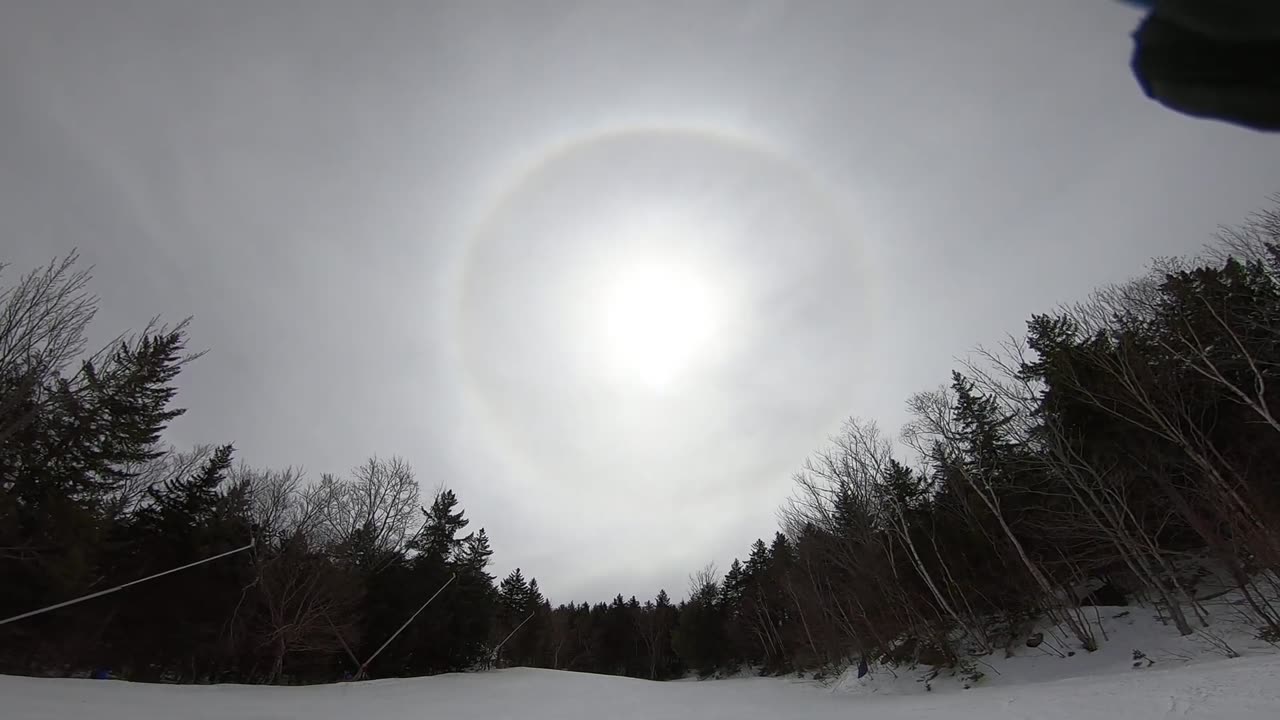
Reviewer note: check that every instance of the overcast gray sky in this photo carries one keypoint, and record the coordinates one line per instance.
(611, 270)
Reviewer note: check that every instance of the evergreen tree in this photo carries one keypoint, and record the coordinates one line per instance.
(514, 592)
(476, 554)
(440, 531)
(70, 434)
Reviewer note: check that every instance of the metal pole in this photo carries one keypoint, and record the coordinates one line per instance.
(118, 588)
(508, 637)
(406, 624)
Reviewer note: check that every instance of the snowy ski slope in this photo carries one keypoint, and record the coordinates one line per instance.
(1242, 688)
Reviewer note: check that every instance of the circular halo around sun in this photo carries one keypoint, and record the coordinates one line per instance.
(633, 297)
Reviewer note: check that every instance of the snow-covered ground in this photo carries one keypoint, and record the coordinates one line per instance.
(1228, 689)
(1169, 677)
(1133, 642)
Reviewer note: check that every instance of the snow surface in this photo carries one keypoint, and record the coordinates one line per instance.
(1132, 641)
(1243, 688)
(1173, 677)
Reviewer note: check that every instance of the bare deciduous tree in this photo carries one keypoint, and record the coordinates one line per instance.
(381, 501)
(43, 319)
(305, 600)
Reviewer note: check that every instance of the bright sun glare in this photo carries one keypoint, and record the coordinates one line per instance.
(657, 320)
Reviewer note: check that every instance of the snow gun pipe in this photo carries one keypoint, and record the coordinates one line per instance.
(406, 624)
(118, 588)
(513, 632)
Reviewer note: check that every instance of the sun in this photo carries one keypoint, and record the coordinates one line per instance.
(657, 322)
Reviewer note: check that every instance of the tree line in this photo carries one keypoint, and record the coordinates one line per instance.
(1118, 451)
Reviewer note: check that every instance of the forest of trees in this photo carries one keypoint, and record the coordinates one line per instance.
(1116, 440)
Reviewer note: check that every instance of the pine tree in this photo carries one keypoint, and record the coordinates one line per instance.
(476, 554)
(187, 502)
(514, 592)
(185, 519)
(533, 597)
(70, 436)
(440, 531)
(732, 587)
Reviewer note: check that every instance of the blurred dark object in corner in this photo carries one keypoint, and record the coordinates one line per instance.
(1217, 59)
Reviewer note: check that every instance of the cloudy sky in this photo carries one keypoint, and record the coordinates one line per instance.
(610, 270)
